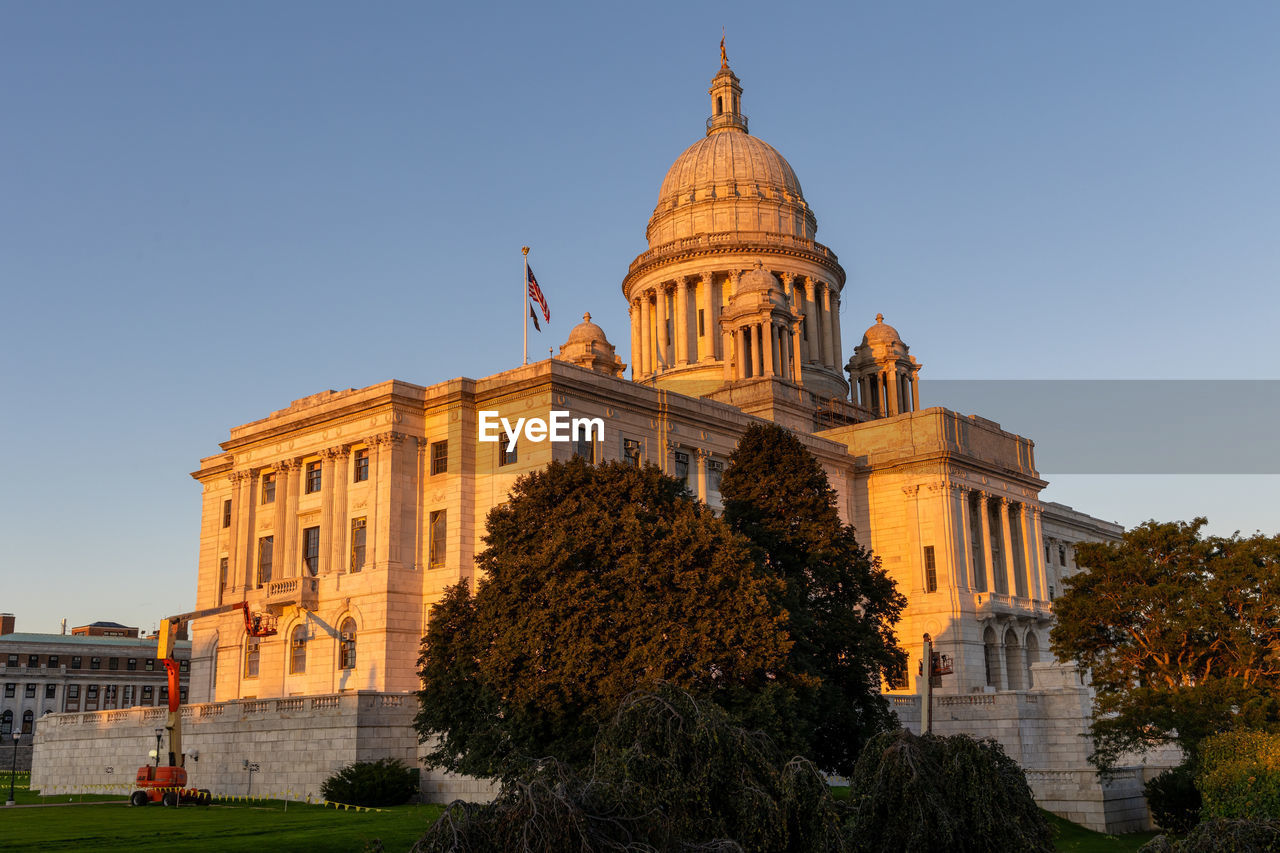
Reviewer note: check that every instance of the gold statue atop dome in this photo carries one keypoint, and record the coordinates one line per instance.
(724, 57)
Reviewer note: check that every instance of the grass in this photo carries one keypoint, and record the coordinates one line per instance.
(265, 825)
(108, 823)
(1073, 836)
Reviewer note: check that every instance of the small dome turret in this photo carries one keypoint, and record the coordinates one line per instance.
(588, 347)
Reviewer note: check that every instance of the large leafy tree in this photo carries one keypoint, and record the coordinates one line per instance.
(1180, 633)
(840, 604)
(596, 581)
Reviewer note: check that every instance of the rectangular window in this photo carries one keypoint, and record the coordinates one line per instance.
(1051, 592)
(75, 662)
(585, 447)
(149, 665)
(184, 666)
(313, 478)
(361, 466)
(268, 488)
(251, 657)
(131, 664)
(164, 695)
(631, 451)
(505, 456)
(222, 578)
(95, 663)
(226, 513)
(127, 702)
(311, 550)
(91, 697)
(1062, 555)
(53, 661)
(715, 470)
(51, 691)
(266, 545)
(13, 660)
(148, 693)
(72, 702)
(440, 457)
(10, 690)
(33, 661)
(682, 466)
(357, 543)
(930, 570)
(702, 326)
(182, 695)
(31, 691)
(113, 663)
(439, 531)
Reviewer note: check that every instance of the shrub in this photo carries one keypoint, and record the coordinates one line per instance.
(385, 782)
(670, 774)
(1240, 775)
(1174, 799)
(1213, 835)
(927, 793)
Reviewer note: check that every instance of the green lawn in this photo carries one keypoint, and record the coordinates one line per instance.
(1072, 836)
(230, 827)
(109, 823)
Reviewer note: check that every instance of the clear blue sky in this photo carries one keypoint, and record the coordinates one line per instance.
(209, 210)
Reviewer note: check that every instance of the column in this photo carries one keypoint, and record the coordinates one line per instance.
(794, 351)
(915, 392)
(663, 360)
(682, 320)
(890, 393)
(338, 561)
(964, 560)
(646, 338)
(635, 339)
(771, 349)
(1010, 563)
(373, 503)
(835, 330)
(284, 558)
(1041, 569)
(1030, 547)
(285, 475)
(382, 494)
(241, 552)
(757, 354)
(987, 564)
(812, 319)
(828, 334)
(327, 457)
(789, 288)
(731, 358)
(729, 288)
(700, 455)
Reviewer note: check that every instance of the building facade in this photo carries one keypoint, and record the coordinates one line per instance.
(59, 673)
(348, 513)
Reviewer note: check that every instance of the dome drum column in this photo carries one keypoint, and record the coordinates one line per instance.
(682, 320)
(636, 369)
(828, 333)
(646, 335)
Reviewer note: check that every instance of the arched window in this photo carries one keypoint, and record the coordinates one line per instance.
(6, 723)
(252, 655)
(1033, 655)
(719, 105)
(28, 719)
(991, 657)
(347, 644)
(298, 650)
(1013, 660)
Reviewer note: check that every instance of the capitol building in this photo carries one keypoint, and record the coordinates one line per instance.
(346, 514)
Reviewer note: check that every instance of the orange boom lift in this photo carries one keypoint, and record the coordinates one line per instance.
(168, 785)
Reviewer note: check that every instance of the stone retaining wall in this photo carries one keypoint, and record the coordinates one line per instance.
(296, 744)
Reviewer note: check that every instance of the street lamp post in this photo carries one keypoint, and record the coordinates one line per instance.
(13, 774)
(159, 732)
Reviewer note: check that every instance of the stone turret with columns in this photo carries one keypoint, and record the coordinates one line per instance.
(883, 373)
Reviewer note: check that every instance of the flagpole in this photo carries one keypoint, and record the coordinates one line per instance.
(524, 302)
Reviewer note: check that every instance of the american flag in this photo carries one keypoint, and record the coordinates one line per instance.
(535, 293)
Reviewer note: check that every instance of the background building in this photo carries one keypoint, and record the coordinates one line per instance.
(51, 673)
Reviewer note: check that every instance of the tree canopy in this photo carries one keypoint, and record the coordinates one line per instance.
(596, 581)
(841, 606)
(1180, 632)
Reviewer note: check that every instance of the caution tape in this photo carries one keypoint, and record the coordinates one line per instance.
(287, 795)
